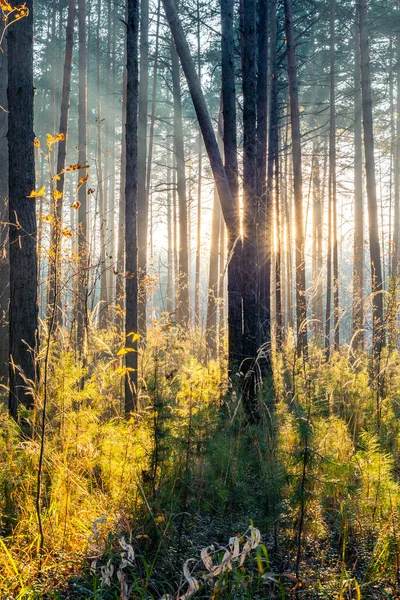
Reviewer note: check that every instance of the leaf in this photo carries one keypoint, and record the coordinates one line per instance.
(91, 191)
(75, 168)
(50, 139)
(36, 143)
(76, 205)
(135, 336)
(57, 195)
(37, 194)
(83, 179)
(124, 351)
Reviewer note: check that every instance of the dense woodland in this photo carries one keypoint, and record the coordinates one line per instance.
(199, 299)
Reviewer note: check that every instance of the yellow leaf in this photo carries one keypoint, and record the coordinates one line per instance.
(124, 351)
(76, 205)
(57, 195)
(83, 179)
(135, 336)
(36, 143)
(37, 194)
(50, 139)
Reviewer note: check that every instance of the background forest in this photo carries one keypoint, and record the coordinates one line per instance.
(199, 299)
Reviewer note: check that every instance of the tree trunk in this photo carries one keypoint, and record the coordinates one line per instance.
(142, 198)
(83, 266)
(317, 274)
(200, 161)
(301, 307)
(374, 245)
(235, 318)
(54, 275)
(183, 253)
(4, 249)
(358, 272)
(332, 177)
(131, 196)
(22, 213)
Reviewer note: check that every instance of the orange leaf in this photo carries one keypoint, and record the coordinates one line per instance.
(76, 205)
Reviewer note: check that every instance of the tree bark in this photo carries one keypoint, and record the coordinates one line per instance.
(131, 195)
(374, 244)
(142, 198)
(301, 307)
(4, 249)
(358, 272)
(22, 213)
(54, 275)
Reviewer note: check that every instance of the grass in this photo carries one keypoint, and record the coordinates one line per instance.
(125, 504)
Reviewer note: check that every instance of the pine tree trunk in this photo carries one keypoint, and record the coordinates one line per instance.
(199, 184)
(142, 198)
(358, 273)
(4, 249)
(301, 307)
(332, 177)
(131, 196)
(54, 276)
(183, 253)
(374, 244)
(317, 274)
(23, 313)
(83, 267)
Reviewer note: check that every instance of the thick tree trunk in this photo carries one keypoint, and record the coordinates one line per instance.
(301, 307)
(4, 250)
(358, 272)
(374, 244)
(83, 267)
(54, 275)
(142, 198)
(22, 213)
(131, 194)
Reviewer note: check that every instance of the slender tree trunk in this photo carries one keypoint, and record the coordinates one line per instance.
(83, 267)
(332, 176)
(56, 225)
(183, 254)
(4, 250)
(264, 232)
(317, 242)
(235, 318)
(358, 272)
(199, 184)
(170, 270)
(100, 186)
(301, 307)
(142, 198)
(23, 313)
(374, 245)
(131, 196)
(120, 284)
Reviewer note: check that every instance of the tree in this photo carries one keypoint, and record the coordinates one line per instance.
(374, 244)
(4, 258)
(301, 306)
(131, 141)
(23, 313)
(55, 237)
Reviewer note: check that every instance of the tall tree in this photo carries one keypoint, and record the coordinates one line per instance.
(83, 256)
(4, 264)
(58, 193)
(23, 313)
(131, 141)
(183, 254)
(374, 244)
(301, 306)
(142, 198)
(358, 273)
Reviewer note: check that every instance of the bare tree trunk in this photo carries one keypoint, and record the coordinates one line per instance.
(120, 284)
(374, 245)
(142, 198)
(200, 157)
(332, 177)
(264, 232)
(317, 242)
(22, 213)
(56, 224)
(131, 196)
(301, 307)
(83, 266)
(4, 250)
(170, 270)
(183, 253)
(358, 273)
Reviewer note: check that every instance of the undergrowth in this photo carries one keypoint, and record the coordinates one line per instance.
(139, 508)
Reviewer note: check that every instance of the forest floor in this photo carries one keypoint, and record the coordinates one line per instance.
(189, 499)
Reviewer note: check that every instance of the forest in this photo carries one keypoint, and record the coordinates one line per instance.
(199, 299)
